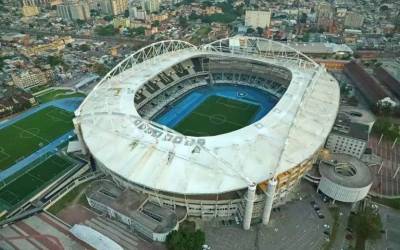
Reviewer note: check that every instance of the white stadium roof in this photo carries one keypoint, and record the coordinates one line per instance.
(156, 157)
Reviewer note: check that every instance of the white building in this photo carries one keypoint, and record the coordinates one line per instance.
(151, 5)
(32, 78)
(344, 178)
(348, 137)
(133, 209)
(257, 18)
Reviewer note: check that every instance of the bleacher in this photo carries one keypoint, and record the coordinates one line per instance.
(180, 70)
(170, 84)
(197, 64)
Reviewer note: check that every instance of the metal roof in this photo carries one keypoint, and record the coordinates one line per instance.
(150, 155)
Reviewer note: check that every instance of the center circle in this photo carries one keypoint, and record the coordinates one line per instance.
(215, 109)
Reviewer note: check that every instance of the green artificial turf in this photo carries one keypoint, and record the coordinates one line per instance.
(217, 115)
(26, 136)
(58, 94)
(32, 181)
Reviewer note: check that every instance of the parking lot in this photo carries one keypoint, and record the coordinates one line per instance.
(295, 226)
(386, 177)
(390, 222)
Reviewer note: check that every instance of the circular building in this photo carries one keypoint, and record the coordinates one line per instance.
(344, 178)
(210, 128)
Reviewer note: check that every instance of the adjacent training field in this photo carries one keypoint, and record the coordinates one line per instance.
(55, 94)
(30, 182)
(217, 115)
(26, 136)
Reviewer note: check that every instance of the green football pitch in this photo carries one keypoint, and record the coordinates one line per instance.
(29, 183)
(55, 94)
(26, 136)
(217, 115)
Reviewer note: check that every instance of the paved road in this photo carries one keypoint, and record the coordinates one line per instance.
(295, 226)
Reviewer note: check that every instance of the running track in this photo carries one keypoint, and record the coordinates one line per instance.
(69, 104)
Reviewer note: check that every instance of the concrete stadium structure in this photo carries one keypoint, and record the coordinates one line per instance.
(344, 178)
(243, 173)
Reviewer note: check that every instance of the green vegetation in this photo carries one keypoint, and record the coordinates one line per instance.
(136, 31)
(84, 47)
(385, 126)
(26, 136)
(38, 88)
(2, 59)
(107, 30)
(306, 37)
(58, 94)
(183, 22)
(55, 60)
(35, 179)
(185, 238)
(100, 69)
(74, 196)
(219, 18)
(367, 225)
(156, 23)
(393, 203)
(217, 115)
(229, 14)
(108, 18)
(200, 33)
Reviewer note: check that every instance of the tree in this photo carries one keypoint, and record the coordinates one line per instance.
(84, 47)
(260, 30)
(54, 60)
(80, 22)
(250, 30)
(126, 13)
(94, 13)
(100, 69)
(107, 30)
(367, 225)
(183, 21)
(184, 239)
(306, 37)
(156, 23)
(108, 18)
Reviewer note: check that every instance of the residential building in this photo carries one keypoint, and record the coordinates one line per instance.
(110, 7)
(137, 11)
(29, 10)
(74, 10)
(353, 20)
(348, 137)
(325, 16)
(14, 100)
(32, 78)
(257, 18)
(151, 6)
(55, 46)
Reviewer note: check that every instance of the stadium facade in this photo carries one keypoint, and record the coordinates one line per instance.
(243, 173)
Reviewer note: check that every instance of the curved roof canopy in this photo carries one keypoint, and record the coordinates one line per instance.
(159, 158)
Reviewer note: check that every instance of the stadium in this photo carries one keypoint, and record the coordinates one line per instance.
(225, 129)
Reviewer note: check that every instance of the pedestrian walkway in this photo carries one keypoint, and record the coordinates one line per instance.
(115, 231)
